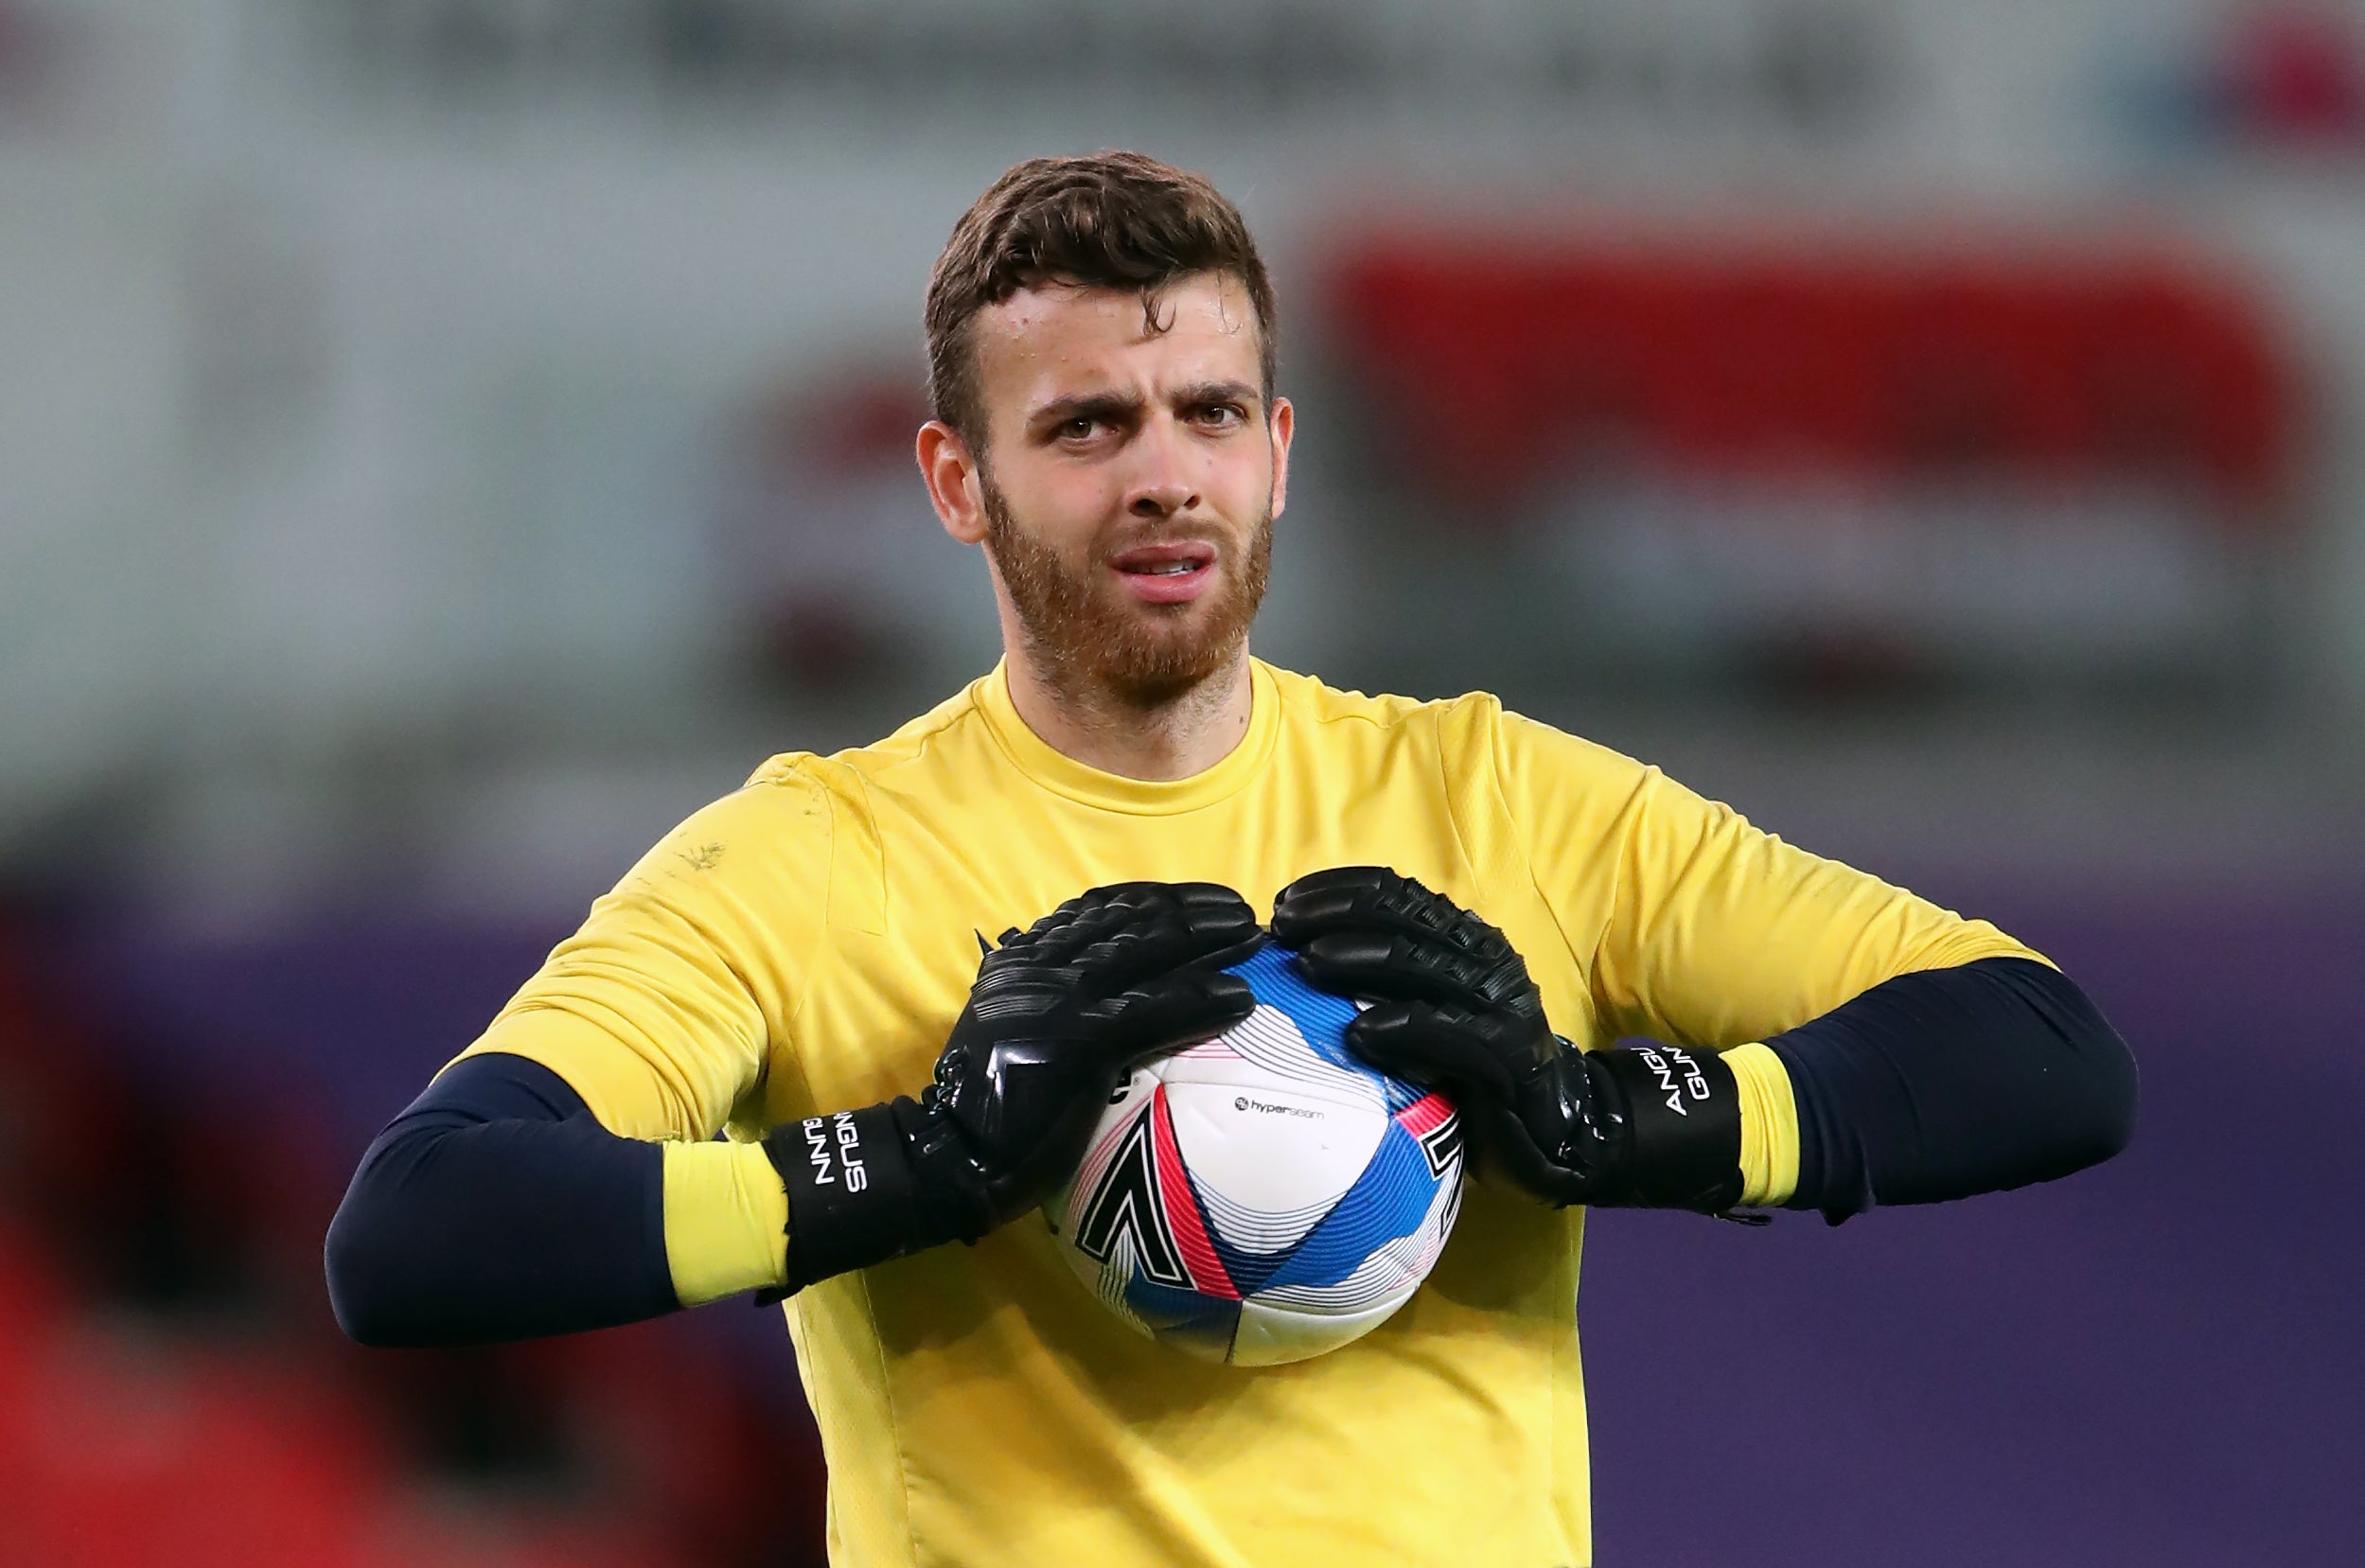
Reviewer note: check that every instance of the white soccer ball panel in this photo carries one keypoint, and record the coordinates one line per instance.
(1269, 1047)
(1272, 1336)
(1276, 1149)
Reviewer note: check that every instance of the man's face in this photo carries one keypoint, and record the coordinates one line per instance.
(1130, 479)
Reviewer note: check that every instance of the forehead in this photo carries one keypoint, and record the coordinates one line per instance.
(1059, 340)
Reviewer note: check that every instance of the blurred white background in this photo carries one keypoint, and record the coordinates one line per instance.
(407, 403)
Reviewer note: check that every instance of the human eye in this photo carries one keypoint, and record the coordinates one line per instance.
(1081, 431)
(1221, 415)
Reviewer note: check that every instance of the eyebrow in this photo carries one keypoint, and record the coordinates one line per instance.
(1116, 406)
(1202, 394)
(1106, 406)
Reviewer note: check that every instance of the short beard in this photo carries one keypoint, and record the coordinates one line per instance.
(1090, 647)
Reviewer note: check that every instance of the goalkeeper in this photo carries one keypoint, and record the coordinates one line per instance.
(1124, 798)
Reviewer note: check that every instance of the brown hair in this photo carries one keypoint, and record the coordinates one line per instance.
(1105, 221)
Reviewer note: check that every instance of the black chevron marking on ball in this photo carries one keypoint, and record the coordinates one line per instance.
(1128, 1201)
(1442, 1144)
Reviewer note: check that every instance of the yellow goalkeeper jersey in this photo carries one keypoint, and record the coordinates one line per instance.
(804, 945)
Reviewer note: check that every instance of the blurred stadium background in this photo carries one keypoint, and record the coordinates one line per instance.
(443, 442)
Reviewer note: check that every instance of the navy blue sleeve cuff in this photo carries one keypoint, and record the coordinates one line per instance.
(1953, 1081)
(497, 1207)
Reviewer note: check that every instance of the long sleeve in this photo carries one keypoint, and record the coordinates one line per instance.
(1947, 1082)
(497, 1207)
(1894, 1051)
(563, 1173)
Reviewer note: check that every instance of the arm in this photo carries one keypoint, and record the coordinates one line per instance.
(527, 1191)
(1830, 1041)
(1910, 1055)
(1935, 1084)
(1947, 1082)
(498, 1206)
(562, 1174)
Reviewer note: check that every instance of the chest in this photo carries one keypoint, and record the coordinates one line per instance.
(911, 898)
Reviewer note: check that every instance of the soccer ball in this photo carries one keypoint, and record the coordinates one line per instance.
(1264, 1196)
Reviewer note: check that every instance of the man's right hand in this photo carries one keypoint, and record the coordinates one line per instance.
(1058, 1015)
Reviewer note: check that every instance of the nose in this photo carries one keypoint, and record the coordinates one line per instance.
(1164, 484)
(1162, 501)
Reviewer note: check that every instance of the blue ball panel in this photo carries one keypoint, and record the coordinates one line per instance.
(1321, 1016)
(1184, 1316)
(1390, 1200)
(1271, 972)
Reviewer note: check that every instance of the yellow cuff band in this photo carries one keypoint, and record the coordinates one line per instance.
(1768, 1125)
(726, 1220)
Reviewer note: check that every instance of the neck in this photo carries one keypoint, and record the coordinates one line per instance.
(1172, 738)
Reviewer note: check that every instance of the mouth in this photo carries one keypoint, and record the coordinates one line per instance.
(1166, 574)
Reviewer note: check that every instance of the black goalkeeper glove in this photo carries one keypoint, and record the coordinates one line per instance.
(1057, 1017)
(1454, 1010)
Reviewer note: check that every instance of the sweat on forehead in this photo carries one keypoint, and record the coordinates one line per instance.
(1201, 305)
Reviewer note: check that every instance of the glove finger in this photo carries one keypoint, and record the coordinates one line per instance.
(1337, 882)
(1314, 906)
(1087, 918)
(1125, 898)
(1216, 920)
(1216, 916)
(1171, 1011)
(1386, 966)
(1318, 901)
(1094, 913)
(1322, 914)
(1175, 926)
(1435, 1046)
(1503, 1154)
(1064, 947)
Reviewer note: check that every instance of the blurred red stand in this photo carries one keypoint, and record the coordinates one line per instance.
(1517, 364)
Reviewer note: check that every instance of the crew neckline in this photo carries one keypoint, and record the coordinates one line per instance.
(1046, 764)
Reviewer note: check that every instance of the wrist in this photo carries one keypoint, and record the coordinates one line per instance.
(1769, 1139)
(726, 1215)
(853, 1196)
(954, 1195)
(1677, 1117)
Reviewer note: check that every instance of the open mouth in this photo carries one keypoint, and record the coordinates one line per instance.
(1166, 574)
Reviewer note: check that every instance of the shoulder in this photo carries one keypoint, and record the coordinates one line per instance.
(1473, 730)
(949, 722)
(1490, 759)
(792, 811)
(775, 826)
(1310, 701)
(1525, 746)
(844, 779)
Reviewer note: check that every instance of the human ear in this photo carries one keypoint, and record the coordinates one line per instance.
(951, 476)
(1279, 426)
